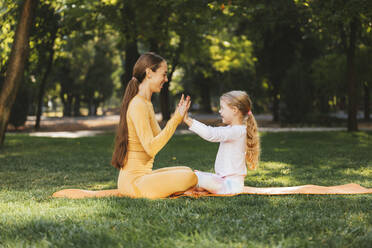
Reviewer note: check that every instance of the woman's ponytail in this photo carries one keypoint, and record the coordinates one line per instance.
(146, 60)
(121, 140)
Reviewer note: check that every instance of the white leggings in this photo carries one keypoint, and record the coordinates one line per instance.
(220, 185)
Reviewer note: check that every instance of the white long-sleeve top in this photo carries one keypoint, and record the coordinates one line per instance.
(230, 160)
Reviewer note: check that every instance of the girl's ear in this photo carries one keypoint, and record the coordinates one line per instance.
(235, 109)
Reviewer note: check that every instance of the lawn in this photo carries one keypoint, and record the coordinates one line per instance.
(32, 168)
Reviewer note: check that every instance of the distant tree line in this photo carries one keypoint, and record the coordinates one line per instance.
(298, 59)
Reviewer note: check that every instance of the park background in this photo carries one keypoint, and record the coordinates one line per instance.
(302, 62)
(64, 64)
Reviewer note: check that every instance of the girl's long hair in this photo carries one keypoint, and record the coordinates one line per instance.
(146, 60)
(242, 101)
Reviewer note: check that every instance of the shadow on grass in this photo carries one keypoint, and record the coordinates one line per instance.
(32, 168)
(326, 158)
(232, 222)
(287, 159)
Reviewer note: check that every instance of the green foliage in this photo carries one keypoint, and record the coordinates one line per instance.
(263, 47)
(364, 64)
(98, 84)
(9, 11)
(32, 168)
(329, 79)
(297, 97)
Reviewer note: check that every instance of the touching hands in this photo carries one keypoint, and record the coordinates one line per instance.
(187, 119)
(184, 105)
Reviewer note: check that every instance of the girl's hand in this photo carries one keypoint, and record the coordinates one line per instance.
(187, 119)
(184, 105)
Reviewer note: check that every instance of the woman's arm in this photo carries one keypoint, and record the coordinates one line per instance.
(139, 113)
(154, 123)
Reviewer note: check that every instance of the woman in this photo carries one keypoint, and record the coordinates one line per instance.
(139, 138)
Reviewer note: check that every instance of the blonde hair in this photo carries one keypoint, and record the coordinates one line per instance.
(242, 101)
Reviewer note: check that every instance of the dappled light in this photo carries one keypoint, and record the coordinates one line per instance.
(110, 100)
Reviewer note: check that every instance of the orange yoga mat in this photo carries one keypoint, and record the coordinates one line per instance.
(351, 188)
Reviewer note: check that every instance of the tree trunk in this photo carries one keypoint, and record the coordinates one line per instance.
(131, 56)
(90, 107)
(352, 124)
(16, 66)
(67, 104)
(95, 110)
(323, 103)
(44, 80)
(366, 101)
(276, 99)
(77, 106)
(131, 48)
(205, 95)
(164, 102)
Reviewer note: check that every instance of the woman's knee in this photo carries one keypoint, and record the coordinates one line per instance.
(172, 168)
(191, 177)
(183, 168)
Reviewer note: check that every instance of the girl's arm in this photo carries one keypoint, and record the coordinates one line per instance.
(212, 134)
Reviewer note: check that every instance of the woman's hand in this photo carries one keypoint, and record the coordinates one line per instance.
(184, 105)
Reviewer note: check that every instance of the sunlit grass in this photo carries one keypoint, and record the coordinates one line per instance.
(32, 168)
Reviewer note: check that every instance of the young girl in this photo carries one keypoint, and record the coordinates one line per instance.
(239, 144)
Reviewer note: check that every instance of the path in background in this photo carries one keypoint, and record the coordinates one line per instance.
(74, 127)
(109, 123)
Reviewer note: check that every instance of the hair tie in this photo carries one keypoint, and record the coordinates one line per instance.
(249, 112)
(134, 78)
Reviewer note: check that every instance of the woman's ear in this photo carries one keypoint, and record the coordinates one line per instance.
(148, 73)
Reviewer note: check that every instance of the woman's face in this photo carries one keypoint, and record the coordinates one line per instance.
(227, 113)
(158, 77)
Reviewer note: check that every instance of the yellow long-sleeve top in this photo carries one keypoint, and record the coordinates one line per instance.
(144, 133)
(145, 140)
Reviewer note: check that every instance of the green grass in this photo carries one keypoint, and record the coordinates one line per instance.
(32, 168)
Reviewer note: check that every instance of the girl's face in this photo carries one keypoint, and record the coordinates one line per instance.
(228, 114)
(158, 78)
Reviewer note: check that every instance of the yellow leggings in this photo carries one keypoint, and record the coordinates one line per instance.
(155, 183)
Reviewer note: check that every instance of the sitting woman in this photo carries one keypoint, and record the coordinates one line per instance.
(139, 138)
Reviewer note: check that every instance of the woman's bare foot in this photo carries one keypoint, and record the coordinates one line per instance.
(198, 189)
(190, 191)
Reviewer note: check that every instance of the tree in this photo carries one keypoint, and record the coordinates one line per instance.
(123, 16)
(274, 28)
(98, 85)
(16, 64)
(45, 36)
(345, 21)
(161, 27)
(329, 81)
(364, 76)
